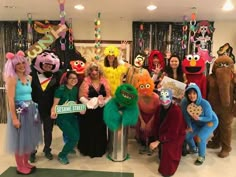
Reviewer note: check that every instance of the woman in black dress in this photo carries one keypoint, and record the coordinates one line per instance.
(94, 93)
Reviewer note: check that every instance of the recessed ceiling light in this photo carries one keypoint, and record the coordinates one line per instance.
(151, 7)
(79, 7)
(228, 6)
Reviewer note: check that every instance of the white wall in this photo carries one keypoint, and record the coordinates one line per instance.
(122, 30)
(225, 32)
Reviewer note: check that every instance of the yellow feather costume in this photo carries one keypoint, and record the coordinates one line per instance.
(114, 76)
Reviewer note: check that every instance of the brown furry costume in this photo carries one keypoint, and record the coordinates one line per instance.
(220, 96)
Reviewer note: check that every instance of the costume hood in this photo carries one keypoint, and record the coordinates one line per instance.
(196, 88)
(159, 56)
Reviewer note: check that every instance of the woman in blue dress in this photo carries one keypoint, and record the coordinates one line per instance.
(24, 131)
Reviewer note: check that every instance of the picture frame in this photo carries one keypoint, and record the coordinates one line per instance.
(87, 49)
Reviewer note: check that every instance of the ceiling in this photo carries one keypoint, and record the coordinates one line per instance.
(132, 10)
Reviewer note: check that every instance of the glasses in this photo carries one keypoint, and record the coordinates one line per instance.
(72, 78)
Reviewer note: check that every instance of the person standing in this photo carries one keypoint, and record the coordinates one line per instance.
(45, 80)
(24, 130)
(94, 92)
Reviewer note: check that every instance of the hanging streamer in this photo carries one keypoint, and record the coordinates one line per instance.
(184, 33)
(62, 18)
(20, 41)
(97, 33)
(29, 30)
(141, 40)
(71, 44)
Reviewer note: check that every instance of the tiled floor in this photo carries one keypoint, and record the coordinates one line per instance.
(140, 165)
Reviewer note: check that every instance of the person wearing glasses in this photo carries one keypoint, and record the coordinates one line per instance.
(68, 123)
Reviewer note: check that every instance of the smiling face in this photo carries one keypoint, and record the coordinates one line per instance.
(192, 95)
(20, 67)
(94, 73)
(174, 62)
(72, 80)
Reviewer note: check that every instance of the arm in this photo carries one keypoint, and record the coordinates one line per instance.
(53, 109)
(185, 113)
(207, 112)
(11, 88)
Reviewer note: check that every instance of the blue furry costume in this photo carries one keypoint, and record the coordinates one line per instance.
(204, 126)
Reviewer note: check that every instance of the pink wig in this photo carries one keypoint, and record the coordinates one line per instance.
(159, 56)
(12, 61)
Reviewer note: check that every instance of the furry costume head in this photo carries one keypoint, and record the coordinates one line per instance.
(126, 95)
(166, 97)
(111, 50)
(47, 57)
(223, 62)
(193, 64)
(77, 62)
(145, 85)
(139, 60)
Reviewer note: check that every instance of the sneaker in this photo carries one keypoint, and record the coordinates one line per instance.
(149, 152)
(142, 150)
(199, 160)
(193, 150)
(33, 157)
(49, 155)
(72, 151)
(63, 160)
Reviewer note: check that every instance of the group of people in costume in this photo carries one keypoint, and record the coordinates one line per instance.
(116, 94)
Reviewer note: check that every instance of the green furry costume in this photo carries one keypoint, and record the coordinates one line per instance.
(123, 108)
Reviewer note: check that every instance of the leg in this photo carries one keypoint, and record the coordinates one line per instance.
(21, 169)
(71, 131)
(225, 128)
(47, 128)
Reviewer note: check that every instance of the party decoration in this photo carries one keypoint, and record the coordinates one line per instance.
(62, 18)
(29, 29)
(204, 30)
(97, 34)
(46, 41)
(71, 44)
(43, 28)
(20, 42)
(141, 40)
(184, 33)
(226, 49)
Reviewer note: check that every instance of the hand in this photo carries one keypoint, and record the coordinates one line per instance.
(154, 145)
(189, 130)
(82, 112)
(143, 125)
(195, 117)
(53, 115)
(157, 69)
(101, 101)
(16, 123)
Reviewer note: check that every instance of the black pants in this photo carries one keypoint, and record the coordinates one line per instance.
(47, 130)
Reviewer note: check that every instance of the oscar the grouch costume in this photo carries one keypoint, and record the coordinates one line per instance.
(123, 108)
